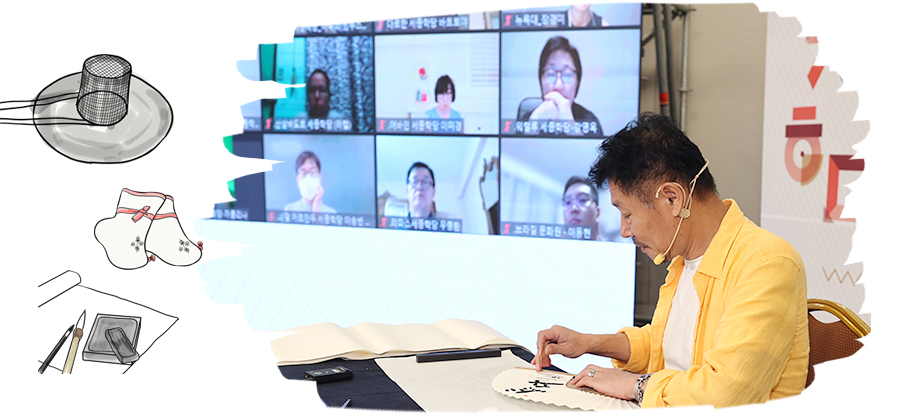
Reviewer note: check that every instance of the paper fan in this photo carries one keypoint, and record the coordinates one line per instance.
(550, 387)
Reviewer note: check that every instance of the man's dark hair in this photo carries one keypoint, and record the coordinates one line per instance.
(574, 180)
(558, 43)
(420, 165)
(441, 86)
(324, 74)
(649, 150)
(303, 157)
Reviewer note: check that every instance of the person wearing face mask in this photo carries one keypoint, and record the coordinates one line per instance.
(731, 326)
(580, 205)
(559, 73)
(444, 95)
(309, 183)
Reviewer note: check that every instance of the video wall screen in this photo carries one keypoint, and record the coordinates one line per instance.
(479, 123)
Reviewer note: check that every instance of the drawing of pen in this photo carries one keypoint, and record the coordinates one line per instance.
(73, 347)
(52, 355)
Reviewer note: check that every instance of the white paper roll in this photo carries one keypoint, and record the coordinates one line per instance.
(56, 286)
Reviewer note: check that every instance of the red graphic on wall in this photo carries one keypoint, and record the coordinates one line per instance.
(835, 165)
(808, 134)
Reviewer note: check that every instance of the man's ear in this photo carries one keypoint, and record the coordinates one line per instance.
(671, 197)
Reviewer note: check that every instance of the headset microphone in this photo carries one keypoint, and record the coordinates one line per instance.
(684, 213)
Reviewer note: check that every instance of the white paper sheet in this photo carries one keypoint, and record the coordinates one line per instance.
(459, 386)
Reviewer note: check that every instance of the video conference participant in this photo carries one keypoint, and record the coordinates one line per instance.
(309, 183)
(444, 95)
(581, 16)
(420, 192)
(741, 288)
(559, 74)
(580, 205)
(318, 96)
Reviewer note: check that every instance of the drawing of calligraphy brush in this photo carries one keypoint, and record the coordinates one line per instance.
(73, 347)
(52, 355)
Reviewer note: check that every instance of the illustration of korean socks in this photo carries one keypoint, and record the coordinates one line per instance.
(123, 236)
(166, 239)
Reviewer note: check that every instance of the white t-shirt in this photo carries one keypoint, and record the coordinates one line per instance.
(678, 339)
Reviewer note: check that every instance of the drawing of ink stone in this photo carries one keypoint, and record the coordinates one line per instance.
(103, 94)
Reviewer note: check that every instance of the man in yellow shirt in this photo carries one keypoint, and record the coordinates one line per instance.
(730, 327)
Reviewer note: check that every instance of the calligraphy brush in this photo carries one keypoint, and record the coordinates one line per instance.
(73, 347)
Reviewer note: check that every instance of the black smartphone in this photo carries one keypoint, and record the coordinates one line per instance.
(328, 375)
(121, 346)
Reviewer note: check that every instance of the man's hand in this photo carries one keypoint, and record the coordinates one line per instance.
(609, 381)
(558, 340)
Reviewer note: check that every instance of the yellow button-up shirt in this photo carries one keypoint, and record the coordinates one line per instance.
(751, 341)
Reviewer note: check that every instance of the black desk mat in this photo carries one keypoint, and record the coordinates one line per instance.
(370, 387)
